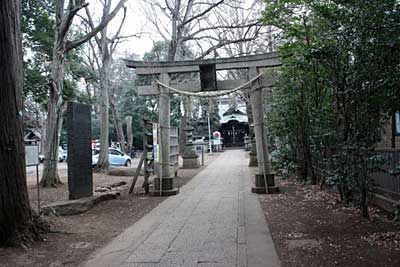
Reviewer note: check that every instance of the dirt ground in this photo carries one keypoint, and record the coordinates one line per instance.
(75, 237)
(311, 228)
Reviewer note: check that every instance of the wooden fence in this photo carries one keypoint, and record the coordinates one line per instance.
(388, 178)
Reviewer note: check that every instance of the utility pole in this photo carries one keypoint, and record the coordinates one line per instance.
(209, 132)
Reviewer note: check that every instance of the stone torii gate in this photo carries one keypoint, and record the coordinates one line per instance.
(161, 86)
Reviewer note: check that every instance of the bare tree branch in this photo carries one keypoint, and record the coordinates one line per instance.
(153, 18)
(66, 19)
(227, 27)
(91, 25)
(189, 8)
(73, 44)
(120, 27)
(201, 13)
(222, 44)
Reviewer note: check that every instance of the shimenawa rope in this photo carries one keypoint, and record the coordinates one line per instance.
(209, 94)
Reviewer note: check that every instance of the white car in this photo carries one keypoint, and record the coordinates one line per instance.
(115, 157)
(62, 155)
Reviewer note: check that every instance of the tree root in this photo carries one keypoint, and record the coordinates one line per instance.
(53, 183)
(100, 169)
(31, 231)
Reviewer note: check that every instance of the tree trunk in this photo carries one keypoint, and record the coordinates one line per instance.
(308, 158)
(118, 124)
(364, 187)
(129, 133)
(42, 135)
(15, 213)
(305, 142)
(50, 172)
(102, 162)
(364, 204)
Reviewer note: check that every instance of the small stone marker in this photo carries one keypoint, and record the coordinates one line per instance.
(80, 177)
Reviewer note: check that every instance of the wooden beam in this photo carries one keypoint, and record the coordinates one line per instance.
(270, 63)
(151, 68)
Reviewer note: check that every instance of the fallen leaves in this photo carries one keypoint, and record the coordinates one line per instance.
(269, 197)
(295, 235)
(312, 227)
(389, 240)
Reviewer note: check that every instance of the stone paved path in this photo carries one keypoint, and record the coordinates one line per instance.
(214, 221)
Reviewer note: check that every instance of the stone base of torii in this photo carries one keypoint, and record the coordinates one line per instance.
(264, 180)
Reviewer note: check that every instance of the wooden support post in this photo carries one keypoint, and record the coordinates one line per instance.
(264, 174)
(164, 184)
(137, 173)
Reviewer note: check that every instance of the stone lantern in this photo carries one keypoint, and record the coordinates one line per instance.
(190, 157)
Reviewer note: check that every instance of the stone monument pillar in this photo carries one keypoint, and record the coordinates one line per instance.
(80, 176)
(264, 179)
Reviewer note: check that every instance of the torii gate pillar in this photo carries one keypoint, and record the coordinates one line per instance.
(264, 169)
(164, 117)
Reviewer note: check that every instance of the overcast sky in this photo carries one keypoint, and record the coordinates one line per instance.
(135, 23)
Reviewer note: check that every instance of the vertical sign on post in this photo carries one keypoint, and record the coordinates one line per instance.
(209, 133)
(32, 159)
(80, 177)
(217, 140)
(156, 150)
